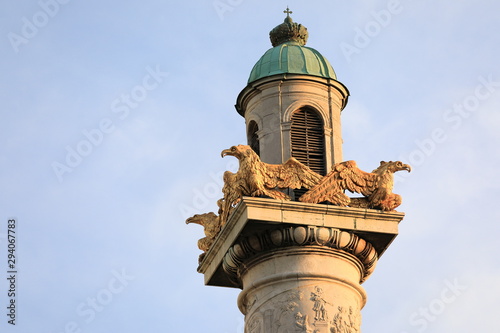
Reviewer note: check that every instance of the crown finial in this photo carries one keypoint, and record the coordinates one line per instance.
(288, 31)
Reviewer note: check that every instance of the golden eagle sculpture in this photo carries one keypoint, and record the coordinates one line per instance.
(375, 186)
(256, 178)
(211, 224)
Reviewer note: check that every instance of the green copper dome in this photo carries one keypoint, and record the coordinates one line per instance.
(289, 55)
(292, 58)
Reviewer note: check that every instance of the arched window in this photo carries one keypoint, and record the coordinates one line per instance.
(253, 138)
(308, 139)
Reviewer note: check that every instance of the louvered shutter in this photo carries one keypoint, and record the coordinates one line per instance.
(307, 139)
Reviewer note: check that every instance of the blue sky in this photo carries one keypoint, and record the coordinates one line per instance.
(114, 114)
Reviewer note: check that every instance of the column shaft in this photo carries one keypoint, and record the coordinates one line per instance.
(302, 289)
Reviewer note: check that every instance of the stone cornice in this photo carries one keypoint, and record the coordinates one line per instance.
(252, 89)
(254, 215)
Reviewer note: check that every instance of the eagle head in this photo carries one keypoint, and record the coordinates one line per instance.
(195, 219)
(397, 166)
(201, 218)
(239, 151)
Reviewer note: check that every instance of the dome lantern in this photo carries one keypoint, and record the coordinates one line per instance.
(292, 102)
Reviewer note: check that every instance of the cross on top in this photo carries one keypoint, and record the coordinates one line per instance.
(287, 11)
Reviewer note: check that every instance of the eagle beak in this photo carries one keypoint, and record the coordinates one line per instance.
(407, 167)
(192, 220)
(226, 152)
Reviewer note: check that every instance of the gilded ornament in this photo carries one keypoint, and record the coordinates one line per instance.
(211, 224)
(256, 178)
(376, 186)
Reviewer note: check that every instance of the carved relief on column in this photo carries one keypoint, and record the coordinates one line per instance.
(283, 314)
(346, 320)
(257, 324)
(306, 309)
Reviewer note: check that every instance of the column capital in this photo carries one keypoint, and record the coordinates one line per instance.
(302, 238)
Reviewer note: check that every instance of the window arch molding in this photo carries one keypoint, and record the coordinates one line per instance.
(304, 103)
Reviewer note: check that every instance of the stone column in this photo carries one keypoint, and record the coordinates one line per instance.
(300, 266)
(301, 279)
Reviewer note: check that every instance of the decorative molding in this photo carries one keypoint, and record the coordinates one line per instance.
(248, 247)
(255, 88)
(306, 102)
(286, 126)
(256, 119)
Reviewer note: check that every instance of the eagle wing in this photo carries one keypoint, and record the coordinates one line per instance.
(291, 174)
(344, 176)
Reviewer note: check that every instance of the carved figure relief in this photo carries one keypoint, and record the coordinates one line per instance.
(289, 312)
(284, 317)
(345, 321)
(302, 323)
(319, 304)
(289, 304)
